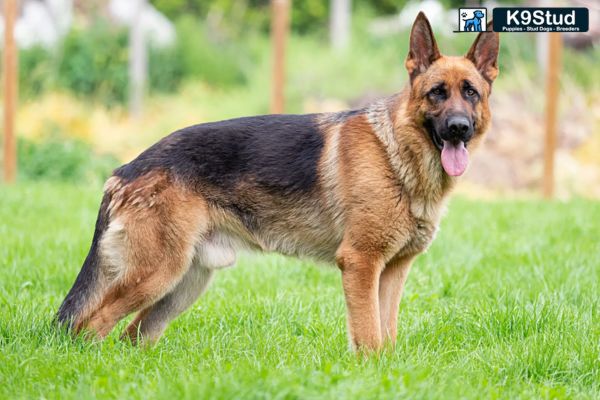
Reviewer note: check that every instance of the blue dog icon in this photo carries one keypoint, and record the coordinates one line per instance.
(474, 24)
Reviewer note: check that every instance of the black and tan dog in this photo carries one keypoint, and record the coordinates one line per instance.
(363, 188)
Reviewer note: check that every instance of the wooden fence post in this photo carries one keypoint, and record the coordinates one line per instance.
(552, 92)
(279, 32)
(10, 75)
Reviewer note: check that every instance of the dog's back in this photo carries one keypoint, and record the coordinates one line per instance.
(280, 151)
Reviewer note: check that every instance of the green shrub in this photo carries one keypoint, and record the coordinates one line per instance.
(36, 71)
(165, 70)
(93, 63)
(219, 64)
(59, 159)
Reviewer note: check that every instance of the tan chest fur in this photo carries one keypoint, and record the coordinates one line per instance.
(417, 165)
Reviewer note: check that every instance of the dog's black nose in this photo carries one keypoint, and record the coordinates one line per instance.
(459, 127)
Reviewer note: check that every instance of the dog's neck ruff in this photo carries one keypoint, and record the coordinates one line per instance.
(409, 175)
(378, 115)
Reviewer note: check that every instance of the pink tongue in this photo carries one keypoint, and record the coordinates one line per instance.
(455, 158)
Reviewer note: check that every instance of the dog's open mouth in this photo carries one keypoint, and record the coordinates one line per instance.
(455, 157)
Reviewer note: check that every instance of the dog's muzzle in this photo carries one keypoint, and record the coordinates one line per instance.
(458, 128)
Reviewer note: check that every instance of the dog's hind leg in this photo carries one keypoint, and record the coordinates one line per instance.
(151, 322)
(91, 283)
(147, 249)
(214, 251)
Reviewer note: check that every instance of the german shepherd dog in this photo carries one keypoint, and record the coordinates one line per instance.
(363, 188)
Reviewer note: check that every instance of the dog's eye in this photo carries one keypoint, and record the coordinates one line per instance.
(438, 91)
(470, 92)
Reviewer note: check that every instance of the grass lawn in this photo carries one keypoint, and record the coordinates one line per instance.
(504, 305)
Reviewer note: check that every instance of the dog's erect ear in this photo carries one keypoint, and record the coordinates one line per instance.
(484, 53)
(423, 50)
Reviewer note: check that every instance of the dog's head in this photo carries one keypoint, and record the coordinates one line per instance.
(449, 95)
(478, 14)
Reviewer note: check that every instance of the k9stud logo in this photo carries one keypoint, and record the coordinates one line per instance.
(472, 19)
(553, 19)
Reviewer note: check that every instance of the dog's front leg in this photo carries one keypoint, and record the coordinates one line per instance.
(360, 279)
(391, 286)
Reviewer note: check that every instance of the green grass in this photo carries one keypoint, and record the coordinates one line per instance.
(504, 305)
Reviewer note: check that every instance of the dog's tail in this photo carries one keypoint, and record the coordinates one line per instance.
(81, 296)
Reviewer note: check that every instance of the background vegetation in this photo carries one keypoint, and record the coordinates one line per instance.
(219, 67)
(92, 60)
